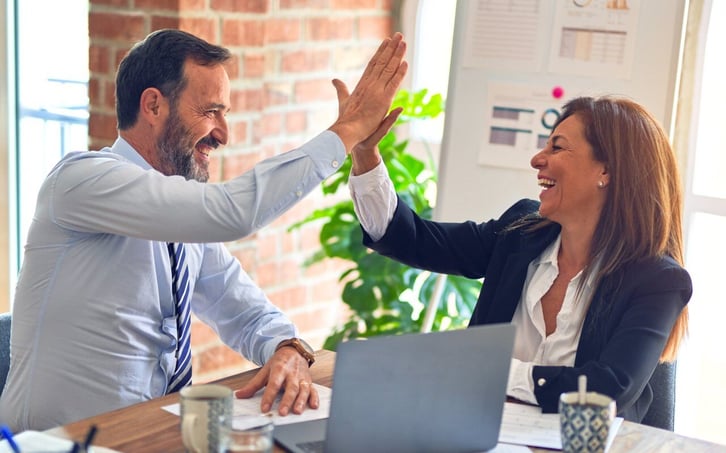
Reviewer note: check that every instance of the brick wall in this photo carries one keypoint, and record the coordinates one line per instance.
(285, 54)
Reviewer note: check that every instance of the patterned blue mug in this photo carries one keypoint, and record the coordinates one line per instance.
(585, 426)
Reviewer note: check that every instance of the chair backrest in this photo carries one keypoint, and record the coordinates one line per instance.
(5, 320)
(662, 409)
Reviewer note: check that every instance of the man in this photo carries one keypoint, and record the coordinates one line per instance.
(126, 239)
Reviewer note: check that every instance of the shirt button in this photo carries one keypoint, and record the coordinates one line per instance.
(541, 381)
(335, 164)
(298, 193)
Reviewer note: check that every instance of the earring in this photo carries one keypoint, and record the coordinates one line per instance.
(600, 184)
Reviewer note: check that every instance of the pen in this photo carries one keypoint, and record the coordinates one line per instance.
(9, 436)
(89, 438)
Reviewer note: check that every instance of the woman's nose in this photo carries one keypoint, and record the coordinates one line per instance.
(538, 160)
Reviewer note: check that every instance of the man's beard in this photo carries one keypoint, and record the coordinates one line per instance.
(176, 151)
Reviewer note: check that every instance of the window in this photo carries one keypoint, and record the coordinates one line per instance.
(52, 96)
(702, 363)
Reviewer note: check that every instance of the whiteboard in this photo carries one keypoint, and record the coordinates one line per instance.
(511, 59)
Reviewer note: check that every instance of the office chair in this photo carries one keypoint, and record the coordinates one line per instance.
(5, 319)
(662, 409)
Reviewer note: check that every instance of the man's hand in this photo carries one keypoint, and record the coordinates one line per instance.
(362, 112)
(286, 371)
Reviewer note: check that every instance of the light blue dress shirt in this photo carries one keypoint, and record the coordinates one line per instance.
(94, 327)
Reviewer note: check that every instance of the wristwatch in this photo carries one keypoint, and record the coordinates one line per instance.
(300, 346)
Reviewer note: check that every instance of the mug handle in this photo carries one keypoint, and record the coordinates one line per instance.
(187, 430)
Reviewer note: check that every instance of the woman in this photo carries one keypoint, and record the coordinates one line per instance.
(591, 275)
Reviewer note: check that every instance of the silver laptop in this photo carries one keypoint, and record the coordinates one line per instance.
(433, 392)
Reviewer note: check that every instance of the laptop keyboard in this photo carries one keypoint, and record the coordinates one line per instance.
(316, 446)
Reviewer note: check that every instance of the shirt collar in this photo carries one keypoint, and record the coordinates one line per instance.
(125, 150)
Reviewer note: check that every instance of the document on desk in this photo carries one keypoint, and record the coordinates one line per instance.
(38, 441)
(527, 425)
(246, 412)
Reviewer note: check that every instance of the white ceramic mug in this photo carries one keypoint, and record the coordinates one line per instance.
(206, 414)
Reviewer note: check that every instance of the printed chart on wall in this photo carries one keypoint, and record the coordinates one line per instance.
(520, 119)
(594, 37)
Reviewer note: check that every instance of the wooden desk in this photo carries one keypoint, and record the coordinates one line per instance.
(145, 427)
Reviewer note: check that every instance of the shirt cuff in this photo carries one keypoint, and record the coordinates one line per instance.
(520, 384)
(374, 200)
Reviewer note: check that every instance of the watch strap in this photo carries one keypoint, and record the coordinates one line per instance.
(301, 347)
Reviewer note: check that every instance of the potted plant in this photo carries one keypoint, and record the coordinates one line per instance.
(386, 297)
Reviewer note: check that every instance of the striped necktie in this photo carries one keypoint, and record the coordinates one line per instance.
(180, 285)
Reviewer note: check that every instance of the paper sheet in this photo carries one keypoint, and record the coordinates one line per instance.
(246, 412)
(527, 425)
(36, 441)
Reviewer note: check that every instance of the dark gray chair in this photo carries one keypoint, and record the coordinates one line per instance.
(662, 410)
(5, 319)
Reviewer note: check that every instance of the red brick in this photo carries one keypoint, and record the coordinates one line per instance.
(290, 240)
(327, 290)
(327, 29)
(315, 319)
(202, 27)
(202, 334)
(268, 247)
(266, 126)
(161, 22)
(127, 27)
(246, 100)
(247, 258)
(254, 66)
(109, 95)
(191, 5)
(314, 90)
(102, 126)
(233, 67)
(164, 5)
(283, 30)
(216, 357)
(374, 27)
(303, 4)
(99, 60)
(240, 6)
(95, 88)
(288, 298)
(238, 132)
(236, 32)
(353, 4)
(305, 61)
(277, 94)
(109, 2)
(295, 122)
(236, 164)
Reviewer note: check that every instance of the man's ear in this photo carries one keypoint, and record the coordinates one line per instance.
(152, 106)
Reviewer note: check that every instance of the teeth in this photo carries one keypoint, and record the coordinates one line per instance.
(545, 182)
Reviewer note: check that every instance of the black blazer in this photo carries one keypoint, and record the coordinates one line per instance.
(625, 328)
